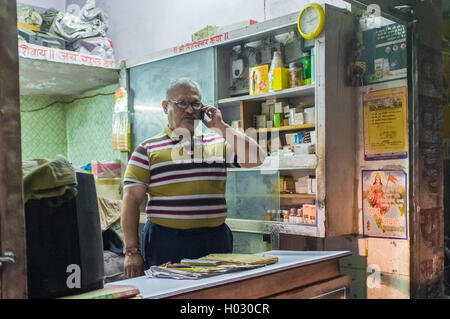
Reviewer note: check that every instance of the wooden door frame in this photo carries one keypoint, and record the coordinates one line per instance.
(13, 277)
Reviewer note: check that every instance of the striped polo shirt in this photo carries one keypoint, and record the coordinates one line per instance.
(185, 181)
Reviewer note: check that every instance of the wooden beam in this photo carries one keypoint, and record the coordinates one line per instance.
(13, 277)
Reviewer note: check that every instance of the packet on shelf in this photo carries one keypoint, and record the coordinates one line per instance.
(259, 79)
(309, 213)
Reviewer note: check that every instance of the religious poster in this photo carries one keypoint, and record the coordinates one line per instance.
(384, 204)
(385, 123)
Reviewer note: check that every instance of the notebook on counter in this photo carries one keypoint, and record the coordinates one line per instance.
(242, 259)
(110, 292)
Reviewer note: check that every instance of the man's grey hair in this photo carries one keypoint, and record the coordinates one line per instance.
(181, 82)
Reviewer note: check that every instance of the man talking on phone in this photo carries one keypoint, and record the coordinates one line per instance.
(183, 172)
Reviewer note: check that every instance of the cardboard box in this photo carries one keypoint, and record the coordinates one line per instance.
(258, 79)
(206, 32)
(280, 79)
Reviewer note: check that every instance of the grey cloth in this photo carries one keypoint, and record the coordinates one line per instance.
(98, 46)
(48, 17)
(90, 22)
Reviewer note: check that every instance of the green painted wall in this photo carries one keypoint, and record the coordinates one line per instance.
(89, 127)
(43, 132)
(80, 130)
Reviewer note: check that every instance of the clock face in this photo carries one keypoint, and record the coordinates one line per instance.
(309, 21)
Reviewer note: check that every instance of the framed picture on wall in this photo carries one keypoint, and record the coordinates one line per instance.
(385, 118)
(384, 203)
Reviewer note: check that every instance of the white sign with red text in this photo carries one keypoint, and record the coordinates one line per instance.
(27, 50)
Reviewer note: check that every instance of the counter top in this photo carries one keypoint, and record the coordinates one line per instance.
(153, 288)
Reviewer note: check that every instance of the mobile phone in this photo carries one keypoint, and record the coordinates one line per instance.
(202, 115)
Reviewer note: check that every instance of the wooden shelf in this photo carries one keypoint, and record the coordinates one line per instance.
(306, 90)
(286, 128)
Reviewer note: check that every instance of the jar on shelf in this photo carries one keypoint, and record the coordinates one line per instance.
(296, 72)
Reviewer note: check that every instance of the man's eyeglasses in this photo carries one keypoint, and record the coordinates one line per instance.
(183, 104)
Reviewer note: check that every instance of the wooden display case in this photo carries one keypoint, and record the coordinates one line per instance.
(333, 163)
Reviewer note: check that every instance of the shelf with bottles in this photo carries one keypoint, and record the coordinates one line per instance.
(304, 90)
(257, 52)
(286, 128)
(299, 215)
(274, 164)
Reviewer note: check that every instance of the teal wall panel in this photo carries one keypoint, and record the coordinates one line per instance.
(148, 84)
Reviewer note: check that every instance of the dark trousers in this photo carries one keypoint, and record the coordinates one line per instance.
(161, 244)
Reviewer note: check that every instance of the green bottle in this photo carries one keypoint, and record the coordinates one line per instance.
(306, 62)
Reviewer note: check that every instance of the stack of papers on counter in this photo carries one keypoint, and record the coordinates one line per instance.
(197, 272)
(211, 265)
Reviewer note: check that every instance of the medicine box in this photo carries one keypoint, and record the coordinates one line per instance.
(259, 79)
(301, 185)
(309, 214)
(309, 116)
(304, 149)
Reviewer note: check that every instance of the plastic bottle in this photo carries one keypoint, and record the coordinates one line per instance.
(277, 62)
(306, 62)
